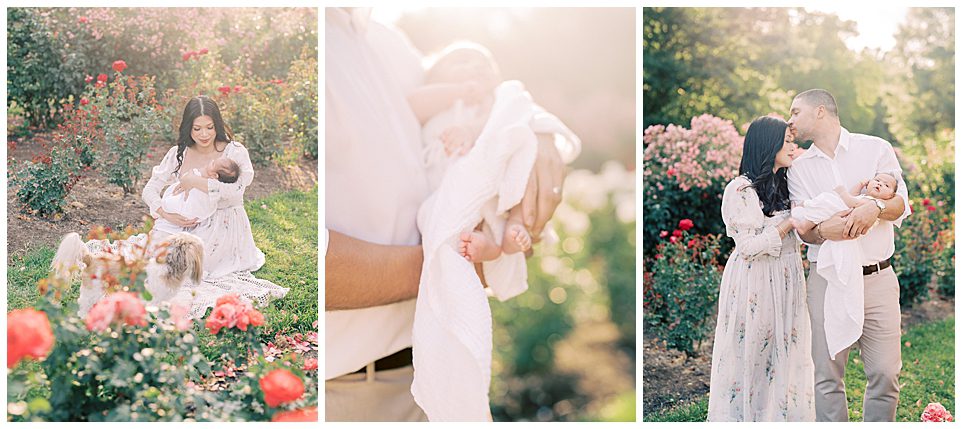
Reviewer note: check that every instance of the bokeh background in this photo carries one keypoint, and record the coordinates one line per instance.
(565, 349)
(708, 72)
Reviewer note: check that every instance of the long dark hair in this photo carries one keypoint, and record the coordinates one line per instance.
(195, 108)
(764, 139)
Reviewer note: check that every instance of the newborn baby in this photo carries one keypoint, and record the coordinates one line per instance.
(454, 105)
(194, 203)
(881, 187)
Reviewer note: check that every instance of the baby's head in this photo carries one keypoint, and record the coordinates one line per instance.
(224, 170)
(882, 186)
(464, 62)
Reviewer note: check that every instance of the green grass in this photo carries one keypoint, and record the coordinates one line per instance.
(928, 375)
(285, 229)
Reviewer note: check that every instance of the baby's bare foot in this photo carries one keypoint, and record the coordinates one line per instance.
(475, 247)
(516, 239)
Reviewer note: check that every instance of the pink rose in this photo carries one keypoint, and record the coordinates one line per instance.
(935, 412)
(123, 308)
(663, 234)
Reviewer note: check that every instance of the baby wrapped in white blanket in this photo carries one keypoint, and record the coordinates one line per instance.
(840, 262)
(196, 204)
(482, 179)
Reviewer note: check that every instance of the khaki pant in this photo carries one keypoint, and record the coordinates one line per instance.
(880, 346)
(382, 396)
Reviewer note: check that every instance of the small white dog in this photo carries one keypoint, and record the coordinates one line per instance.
(170, 263)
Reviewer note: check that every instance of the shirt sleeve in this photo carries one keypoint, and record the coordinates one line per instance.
(796, 189)
(890, 164)
(744, 222)
(161, 176)
(217, 190)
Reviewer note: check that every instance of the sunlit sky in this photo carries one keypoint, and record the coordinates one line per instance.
(876, 25)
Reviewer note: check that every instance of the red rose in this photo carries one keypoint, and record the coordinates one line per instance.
(931, 208)
(28, 335)
(670, 172)
(676, 233)
(119, 66)
(685, 224)
(692, 243)
(203, 51)
(663, 234)
(658, 256)
(102, 77)
(224, 90)
(84, 101)
(926, 202)
(88, 79)
(281, 386)
(302, 415)
(238, 88)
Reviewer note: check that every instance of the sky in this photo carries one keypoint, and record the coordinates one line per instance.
(876, 25)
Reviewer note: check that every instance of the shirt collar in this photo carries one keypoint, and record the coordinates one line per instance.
(844, 140)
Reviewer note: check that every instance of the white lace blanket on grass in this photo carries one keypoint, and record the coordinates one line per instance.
(452, 321)
(840, 264)
(196, 297)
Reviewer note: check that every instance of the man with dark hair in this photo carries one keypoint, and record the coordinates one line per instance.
(840, 158)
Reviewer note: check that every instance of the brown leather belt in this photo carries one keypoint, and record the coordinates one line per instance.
(400, 359)
(870, 269)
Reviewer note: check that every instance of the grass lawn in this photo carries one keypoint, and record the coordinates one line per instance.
(285, 229)
(928, 375)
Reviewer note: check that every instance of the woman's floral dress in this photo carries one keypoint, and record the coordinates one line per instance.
(761, 367)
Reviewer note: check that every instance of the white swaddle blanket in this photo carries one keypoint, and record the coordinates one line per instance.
(197, 205)
(840, 264)
(452, 321)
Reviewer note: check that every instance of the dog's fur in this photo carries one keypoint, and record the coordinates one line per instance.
(170, 263)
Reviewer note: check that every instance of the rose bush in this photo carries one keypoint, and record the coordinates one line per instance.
(685, 173)
(680, 288)
(129, 361)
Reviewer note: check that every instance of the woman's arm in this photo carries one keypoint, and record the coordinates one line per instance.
(161, 176)
(744, 222)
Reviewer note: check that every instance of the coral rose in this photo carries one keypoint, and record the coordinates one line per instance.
(301, 415)
(119, 66)
(117, 308)
(28, 335)
(281, 386)
(224, 90)
(230, 312)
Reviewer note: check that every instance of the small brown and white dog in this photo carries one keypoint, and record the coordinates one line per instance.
(170, 263)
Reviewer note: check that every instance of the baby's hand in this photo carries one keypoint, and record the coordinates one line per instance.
(455, 140)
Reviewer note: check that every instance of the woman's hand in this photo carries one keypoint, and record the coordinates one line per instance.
(177, 219)
(188, 182)
(543, 194)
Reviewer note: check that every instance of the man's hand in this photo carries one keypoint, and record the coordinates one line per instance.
(860, 220)
(833, 228)
(543, 194)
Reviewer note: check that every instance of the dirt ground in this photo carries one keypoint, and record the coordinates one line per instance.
(94, 202)
(670, 379)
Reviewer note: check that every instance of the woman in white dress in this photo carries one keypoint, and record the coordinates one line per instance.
(229, 250)
(762, 367)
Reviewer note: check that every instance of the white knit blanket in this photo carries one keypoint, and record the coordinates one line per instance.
(452, 322)
(840, 264)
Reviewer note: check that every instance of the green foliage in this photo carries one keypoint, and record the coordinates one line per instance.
(301, 92)
(131, 120)
(42, 70)
(918, 247)
(681, 290)
(256, 115)
(44, 183)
